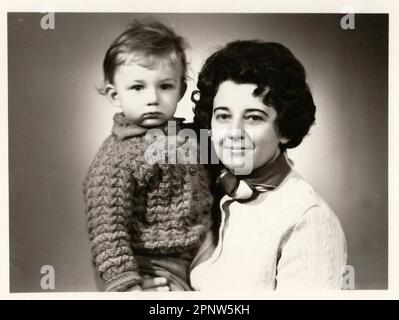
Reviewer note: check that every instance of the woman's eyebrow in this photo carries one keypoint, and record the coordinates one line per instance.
(256, 110)
(221, 108)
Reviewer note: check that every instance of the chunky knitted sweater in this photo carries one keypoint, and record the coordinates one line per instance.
(137, 207)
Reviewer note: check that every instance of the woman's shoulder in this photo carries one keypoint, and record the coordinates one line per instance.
(299, 194)
(314, 208)
(299, 189)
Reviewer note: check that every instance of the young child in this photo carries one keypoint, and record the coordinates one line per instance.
(276, 232)
(144, 217)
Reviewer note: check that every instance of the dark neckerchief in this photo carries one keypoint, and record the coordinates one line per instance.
(265, 178)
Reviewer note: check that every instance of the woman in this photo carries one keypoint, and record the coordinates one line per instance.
(275, 231)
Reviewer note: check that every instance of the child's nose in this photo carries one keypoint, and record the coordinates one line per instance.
(152, 96)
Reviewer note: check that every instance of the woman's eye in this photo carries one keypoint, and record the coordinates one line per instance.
(222, 117)
(254, 118)
(137, 87)
(167, 86)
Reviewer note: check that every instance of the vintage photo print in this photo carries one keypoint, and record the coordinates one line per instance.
(107, 193)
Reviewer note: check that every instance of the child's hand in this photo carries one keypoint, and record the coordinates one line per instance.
(154, 284)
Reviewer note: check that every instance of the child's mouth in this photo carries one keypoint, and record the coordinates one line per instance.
(151, 115)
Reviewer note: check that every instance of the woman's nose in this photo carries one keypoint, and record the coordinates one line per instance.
(236, 130)
(236, 134)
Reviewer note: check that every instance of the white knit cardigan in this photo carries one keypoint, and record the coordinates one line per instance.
(287, 238)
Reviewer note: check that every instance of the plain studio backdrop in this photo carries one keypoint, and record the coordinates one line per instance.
(57, 121)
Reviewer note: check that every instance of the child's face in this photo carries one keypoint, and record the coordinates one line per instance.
(148, 95)
(243, 127)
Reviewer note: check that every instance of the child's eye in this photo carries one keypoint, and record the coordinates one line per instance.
(167, 86)
(137, 87)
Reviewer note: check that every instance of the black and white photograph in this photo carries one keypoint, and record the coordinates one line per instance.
(217, 152)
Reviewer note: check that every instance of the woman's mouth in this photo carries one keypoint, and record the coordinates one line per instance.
(237, 151)
(237, 148)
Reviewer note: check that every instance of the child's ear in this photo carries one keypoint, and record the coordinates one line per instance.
(112, 95)
(183, 89)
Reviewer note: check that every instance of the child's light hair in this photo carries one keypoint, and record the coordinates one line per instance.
(147, 42)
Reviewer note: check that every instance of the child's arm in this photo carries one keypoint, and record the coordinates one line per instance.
(108, 194)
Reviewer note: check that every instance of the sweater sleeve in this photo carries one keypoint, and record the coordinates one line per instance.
(108, 190)
(313, 253)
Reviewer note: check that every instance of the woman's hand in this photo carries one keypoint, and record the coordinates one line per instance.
(154, 284)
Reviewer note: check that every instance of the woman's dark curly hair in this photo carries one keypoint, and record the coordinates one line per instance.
(274, 69)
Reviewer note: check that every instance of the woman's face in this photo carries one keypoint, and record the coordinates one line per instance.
(244, 133)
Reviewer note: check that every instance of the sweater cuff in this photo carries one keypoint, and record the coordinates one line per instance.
(123, 281)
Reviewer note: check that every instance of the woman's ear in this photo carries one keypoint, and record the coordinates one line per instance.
(284, 140)
(112, 95)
